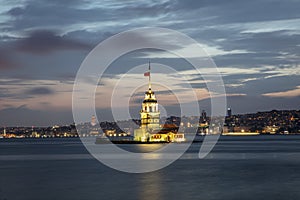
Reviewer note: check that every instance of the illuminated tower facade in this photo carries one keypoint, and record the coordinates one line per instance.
(150, 114)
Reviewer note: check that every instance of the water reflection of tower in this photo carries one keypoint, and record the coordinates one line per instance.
(155, 190)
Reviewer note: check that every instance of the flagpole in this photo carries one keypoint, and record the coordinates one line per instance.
(149, 76)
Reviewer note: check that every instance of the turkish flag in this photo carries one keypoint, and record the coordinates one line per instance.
(147, 74)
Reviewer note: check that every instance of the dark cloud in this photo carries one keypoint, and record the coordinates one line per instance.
(36, 14)
(252, 104)
(89, 37)
(256, 88)
(147, 8)
(263, 42)
(4, 93)
(24, 116)
(245, 78)
(45, 13)
(239, 11)
(277, 48)
(39, 91)
(20, 82)
(43, 41)
(250, 60)
(6, 61)
(17, 11)
(8, 93)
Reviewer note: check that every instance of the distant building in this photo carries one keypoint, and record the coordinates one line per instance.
(242, 129)
(203, 116)
(270, 129)
(229, 112)
(93, 121)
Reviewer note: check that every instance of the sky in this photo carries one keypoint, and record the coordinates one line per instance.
(255, 45)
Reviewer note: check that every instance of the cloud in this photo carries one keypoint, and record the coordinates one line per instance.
(22, 115)
(6, 61)
(285, 70)
(285, 94)
(239, 11)
(263, 85)
(44, 41)
(39, 91)
(85, 15)
(257, 51)
(253, 103)
(276, 41)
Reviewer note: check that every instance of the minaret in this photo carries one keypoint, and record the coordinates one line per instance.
(150, 114)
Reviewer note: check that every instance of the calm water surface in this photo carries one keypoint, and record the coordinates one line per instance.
(238, 168)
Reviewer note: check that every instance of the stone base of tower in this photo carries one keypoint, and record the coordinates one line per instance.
(143, 135)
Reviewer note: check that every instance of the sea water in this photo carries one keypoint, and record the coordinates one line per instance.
(256, 167)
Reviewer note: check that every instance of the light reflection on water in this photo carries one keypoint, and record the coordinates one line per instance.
(150, 186)
(142, 148)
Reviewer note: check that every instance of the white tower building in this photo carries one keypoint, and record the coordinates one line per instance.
(150, 114)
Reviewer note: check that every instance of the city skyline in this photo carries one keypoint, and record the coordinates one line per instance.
(274, 122)
(257, 54)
